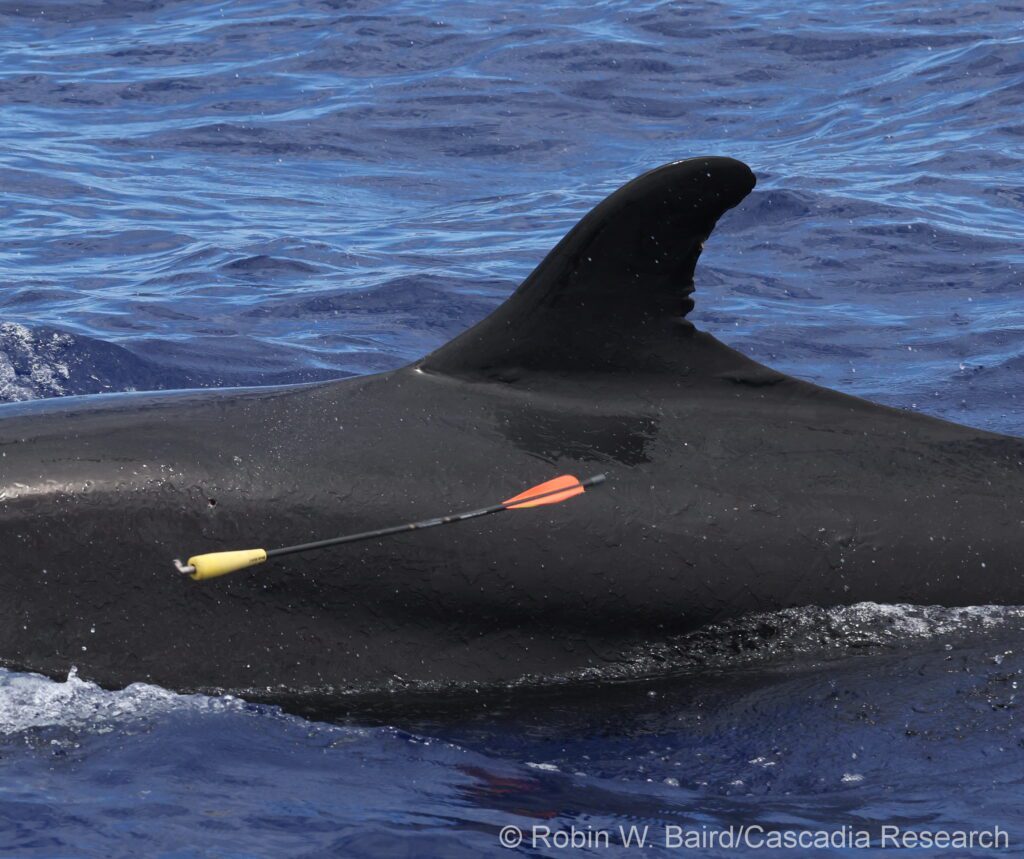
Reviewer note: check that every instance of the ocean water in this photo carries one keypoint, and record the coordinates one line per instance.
(208, 194)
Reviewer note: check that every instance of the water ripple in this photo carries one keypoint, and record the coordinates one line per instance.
(187, 173)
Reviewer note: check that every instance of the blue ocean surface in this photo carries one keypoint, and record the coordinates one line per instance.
(200, 194)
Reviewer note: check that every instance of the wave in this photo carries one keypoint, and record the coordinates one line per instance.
(40, 362)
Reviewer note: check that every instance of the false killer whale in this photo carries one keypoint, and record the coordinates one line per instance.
(731, 488)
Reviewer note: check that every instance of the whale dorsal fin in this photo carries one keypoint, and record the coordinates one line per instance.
(613, 294)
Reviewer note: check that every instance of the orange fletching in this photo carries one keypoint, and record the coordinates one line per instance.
(566, 482)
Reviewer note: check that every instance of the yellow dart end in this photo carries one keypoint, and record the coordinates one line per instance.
(221, 563)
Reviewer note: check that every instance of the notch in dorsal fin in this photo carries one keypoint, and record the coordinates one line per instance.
(613, 294)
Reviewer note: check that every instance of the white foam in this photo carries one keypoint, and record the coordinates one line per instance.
(32, 366)
(796, 633)
(917, 621)
(29, 701)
